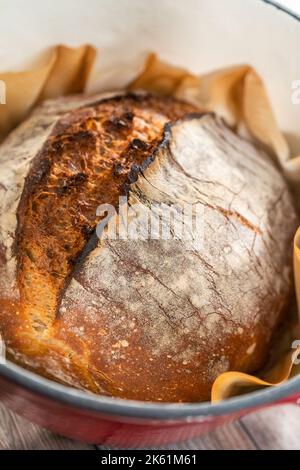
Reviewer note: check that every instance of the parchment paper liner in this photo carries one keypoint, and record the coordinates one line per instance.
(237, 94)
(60, 71)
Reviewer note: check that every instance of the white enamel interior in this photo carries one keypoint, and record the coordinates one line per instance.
(199, 34)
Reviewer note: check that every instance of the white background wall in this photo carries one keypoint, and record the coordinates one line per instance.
(291, 4)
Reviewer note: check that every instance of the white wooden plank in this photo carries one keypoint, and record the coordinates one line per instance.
(275, 428)
(18, 433)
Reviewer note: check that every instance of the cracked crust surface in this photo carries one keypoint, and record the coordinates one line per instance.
(155, 319)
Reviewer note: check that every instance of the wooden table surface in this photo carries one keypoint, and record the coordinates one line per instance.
(274, 428)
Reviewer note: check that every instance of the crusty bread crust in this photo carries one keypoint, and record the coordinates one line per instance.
(152, 320)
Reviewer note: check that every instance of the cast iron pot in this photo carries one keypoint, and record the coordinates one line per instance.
(125, 423)
(117, 422)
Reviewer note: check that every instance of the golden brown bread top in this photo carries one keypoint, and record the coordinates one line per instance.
(146, 320)
(84, 163)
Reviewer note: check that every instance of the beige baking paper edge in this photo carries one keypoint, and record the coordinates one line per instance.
(59, 71)
(236, 93)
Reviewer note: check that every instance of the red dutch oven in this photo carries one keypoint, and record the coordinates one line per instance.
(125, 423)
(254, 31)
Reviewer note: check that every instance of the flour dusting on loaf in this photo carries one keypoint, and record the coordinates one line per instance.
(141, 319)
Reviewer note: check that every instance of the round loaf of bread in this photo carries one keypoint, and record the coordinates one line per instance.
(142, 317)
